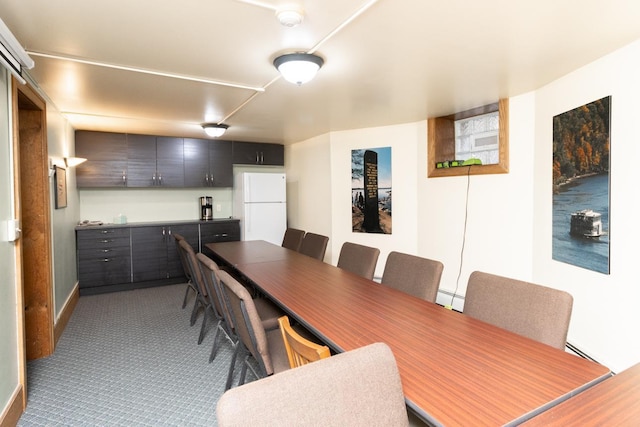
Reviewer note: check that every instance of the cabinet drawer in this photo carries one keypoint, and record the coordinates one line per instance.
(221, 232)
(106, 252)
(103, 238)
(104, 271)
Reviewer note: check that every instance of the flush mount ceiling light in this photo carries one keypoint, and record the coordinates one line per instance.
(215, 130)
(298, 68)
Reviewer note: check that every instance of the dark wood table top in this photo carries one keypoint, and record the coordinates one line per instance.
(613, 402)
(456, 370)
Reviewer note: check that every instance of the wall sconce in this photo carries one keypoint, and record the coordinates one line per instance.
(73, 161)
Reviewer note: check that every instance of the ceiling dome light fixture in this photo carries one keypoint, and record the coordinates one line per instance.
(298, 68)
(215, 130)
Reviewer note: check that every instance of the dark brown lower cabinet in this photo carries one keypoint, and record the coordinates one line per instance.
(116, 258)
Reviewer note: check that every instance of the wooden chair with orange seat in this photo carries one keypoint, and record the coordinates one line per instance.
(300, 350)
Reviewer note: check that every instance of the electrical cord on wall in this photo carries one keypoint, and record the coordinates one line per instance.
(464, 236)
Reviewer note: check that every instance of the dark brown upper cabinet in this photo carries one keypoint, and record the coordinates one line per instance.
(106, 155)
(154, 161)
(207, 163)
(256, 153)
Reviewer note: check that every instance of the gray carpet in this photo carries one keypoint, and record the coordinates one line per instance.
(129, 359)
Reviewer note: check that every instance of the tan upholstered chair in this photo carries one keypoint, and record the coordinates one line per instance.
(414, 275)
(357, 388)
(535, 311)
(293, 239)
(300, 350)
(314, 245)
(358, 259)
(190, 285)
(202, 297)
(266, 347)
(269, 313)
(208, 270)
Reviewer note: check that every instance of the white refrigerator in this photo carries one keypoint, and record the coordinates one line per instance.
(260, 202)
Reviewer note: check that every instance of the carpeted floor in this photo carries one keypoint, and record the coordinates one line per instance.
(129, 359)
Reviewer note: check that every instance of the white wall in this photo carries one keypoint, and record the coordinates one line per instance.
(605, 312)
(309, 205)
(403, 140)
(60, 142)
(10, 363)
(498, 237)
(508, 230)
(148, 205)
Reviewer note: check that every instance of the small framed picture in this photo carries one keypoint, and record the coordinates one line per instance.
(61, 187)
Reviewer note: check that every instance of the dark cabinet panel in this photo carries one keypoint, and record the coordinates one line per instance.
(256, 153)
(154, 251)
(227, 231)
(154, 161)
(141, 160)
(191, 233)
(169, 162)
(104, 257)
(120, 258)
(196, 162)
(220, 164)
(207, 163)
(149, 252)
(106, 155)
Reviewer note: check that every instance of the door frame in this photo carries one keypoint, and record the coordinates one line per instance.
(33, 210)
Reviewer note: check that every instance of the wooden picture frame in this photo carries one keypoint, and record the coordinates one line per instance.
(61, 187)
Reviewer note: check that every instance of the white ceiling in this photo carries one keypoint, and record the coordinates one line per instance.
(386, 61)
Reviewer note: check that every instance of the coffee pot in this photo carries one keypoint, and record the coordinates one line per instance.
(206, 208)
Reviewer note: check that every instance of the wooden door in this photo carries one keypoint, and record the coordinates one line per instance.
(33, 210)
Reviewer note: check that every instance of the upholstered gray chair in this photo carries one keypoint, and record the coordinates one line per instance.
(535, 311)
(314, 245)
(208, 270)
(358, 259)
(190, 285)
(293, 239)
(414, 275)
(269, 313)
(361, 387)
(202, 297)
(266, 347)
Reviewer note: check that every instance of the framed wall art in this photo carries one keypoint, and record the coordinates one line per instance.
(60, 178)
(581, 145)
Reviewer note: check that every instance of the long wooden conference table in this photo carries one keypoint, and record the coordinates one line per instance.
(455, 370)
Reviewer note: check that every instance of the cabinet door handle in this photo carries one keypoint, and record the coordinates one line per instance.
(261, 157)
(124, 178)
(257, 157)
(104, 251)
(106, 260)
(106, 231)
(106, 241)
(206, 178)
(159, 178)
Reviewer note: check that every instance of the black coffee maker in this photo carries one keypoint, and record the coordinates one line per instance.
(206, 208)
